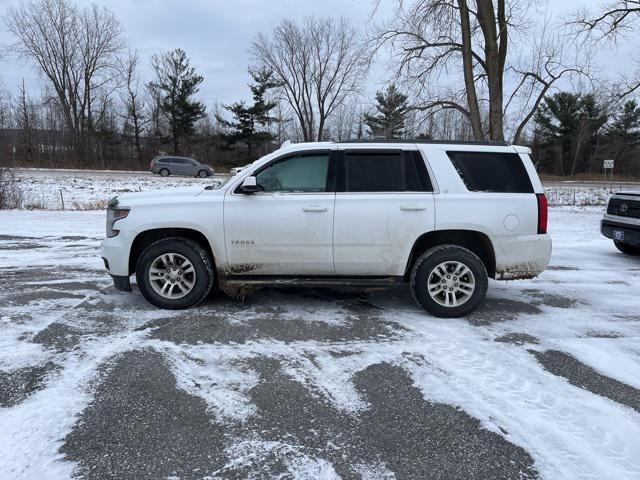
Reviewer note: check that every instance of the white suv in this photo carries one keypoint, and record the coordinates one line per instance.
(440, 216)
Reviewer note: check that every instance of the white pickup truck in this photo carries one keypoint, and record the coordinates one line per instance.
(440, 216)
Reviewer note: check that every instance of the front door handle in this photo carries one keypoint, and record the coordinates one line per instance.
(413, 208)
(315, 208)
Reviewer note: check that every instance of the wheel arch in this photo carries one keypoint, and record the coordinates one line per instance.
(146, 238)
(478, 242)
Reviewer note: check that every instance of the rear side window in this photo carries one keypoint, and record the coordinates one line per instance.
(390, 171)
(492, 172)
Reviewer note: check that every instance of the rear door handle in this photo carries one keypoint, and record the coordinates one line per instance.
(412, 208)
(315, 208)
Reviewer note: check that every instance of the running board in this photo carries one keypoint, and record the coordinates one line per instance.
(323, 281)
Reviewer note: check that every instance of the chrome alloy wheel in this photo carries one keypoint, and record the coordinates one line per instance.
(451, 284)
(172, 276)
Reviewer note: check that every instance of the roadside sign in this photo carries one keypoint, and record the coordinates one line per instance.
(608, 165)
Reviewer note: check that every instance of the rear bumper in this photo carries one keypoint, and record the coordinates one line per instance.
(521, 256)
(631, 232)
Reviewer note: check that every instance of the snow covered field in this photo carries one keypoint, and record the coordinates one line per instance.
(542, 381)
(90, 189)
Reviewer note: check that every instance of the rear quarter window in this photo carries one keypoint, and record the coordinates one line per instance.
(499, 172)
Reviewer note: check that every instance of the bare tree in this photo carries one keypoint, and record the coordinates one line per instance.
(616, 19)
(320, 63)
(74, 49)
(435, 39)
(136, 117)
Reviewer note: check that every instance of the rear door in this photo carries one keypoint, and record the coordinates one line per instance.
(384, 202)
(287, 228)
(175, 165)
(179, 166)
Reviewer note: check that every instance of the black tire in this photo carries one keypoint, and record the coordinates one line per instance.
(626, 248)
(203, 174)
(427, 263)
(164, 172)
(199, 258)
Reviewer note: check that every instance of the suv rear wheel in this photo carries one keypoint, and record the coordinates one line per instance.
(174, 273)
(449, 281)
(626, 248)
(164, 172)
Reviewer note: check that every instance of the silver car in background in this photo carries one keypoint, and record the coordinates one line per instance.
(171, 165)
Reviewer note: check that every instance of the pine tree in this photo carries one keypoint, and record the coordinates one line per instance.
(249, 122)
(626, 125)
(390, 120)
(176, 83)
(571, 123)
(623, 138)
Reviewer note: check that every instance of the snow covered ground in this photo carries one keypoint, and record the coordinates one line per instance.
(542, 381)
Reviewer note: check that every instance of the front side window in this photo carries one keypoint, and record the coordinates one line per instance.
(391, 171)
(302, 173)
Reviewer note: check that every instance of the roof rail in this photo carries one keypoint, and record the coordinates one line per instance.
(501, 143)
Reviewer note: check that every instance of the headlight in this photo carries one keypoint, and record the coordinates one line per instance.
(115, 213)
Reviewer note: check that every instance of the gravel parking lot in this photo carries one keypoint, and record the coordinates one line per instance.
(541, 382)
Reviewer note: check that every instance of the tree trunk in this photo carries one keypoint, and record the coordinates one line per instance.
(467, 63)
(494, 59)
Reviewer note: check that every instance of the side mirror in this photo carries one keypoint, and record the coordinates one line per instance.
(249, 185)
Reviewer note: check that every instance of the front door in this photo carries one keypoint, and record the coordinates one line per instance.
(287, 227)
(384, 203)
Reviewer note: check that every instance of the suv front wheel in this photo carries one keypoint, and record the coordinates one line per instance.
(174, 273)
(449, 281)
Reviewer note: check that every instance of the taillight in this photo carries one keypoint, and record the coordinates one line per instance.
(543, 212)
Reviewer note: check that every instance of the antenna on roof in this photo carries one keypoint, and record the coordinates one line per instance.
(286, 143)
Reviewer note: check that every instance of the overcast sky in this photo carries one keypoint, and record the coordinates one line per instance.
(216, 34)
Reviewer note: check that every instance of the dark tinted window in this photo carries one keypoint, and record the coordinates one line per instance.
(492, 172)
(385, 172)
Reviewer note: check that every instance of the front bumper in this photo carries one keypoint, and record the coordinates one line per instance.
(630, 231)
(115, 255)
(115, 251)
